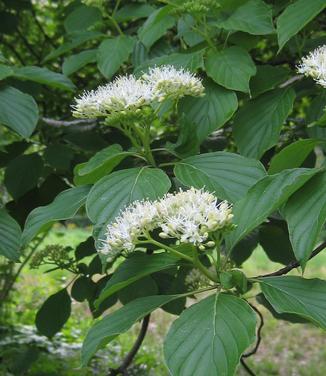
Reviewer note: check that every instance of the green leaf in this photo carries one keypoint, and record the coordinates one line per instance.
(102, 163)
(292, 294)
(64, 206)
(305, 213)
(292, 155)
(44, 76)
(268, 77)
(295, 17)
(266, 196)
(209, 337)
(275, 241)
(258, 124)
(253, 17)
(75, 62)
(210, 112)
(112, 53)
(54, 313)
(83, 288)
(117, 190)
(156, 26)
(74, 41)
(133, 12)
(118, 322)
(139, 289)
(191, 61)
(134, 268)
(81, 18)
(59, 156)
(229, 175)
(244, 248)
(10, 236)
(22, 174)
(231, 68)
(18, 111)
(5, 71)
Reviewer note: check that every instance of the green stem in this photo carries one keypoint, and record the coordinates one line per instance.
(115, 24)
(202, 268)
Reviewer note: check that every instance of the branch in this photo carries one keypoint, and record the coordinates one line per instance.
(246, 367)
(293, 264)
(46, 37)
(260, 327)
(122, 369)
(87, 123)
(291, 80)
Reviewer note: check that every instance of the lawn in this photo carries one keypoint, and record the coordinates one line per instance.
(286, 349)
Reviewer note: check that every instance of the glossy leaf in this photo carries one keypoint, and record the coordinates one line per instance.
(258, 124)
(266, 196)
(112, 53)
(209, 337)
(134, 268)
(210, 112)
(229, 175)
(305, 213)
(115, 191)
(44, 76)
(64, 206)
(118, 322)
(10, 236)
(18, 111)
(297, 295)
(231, 68)
(292, 155)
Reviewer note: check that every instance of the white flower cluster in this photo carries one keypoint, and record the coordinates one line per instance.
(128, 94)
(187, 216)
(314, 65)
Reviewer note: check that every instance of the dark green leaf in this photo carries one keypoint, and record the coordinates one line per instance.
(18, 111)
(84, 249)
(23, 174)
(10, 236)
(44, 76)
(139, 289)
(253, 17)
(156, 26)
(243, 250)
(210, 112)
(292, 155)
(59, 156)
(64, 206)
(74, 63)
(82, 289)
(231, 68)
(264, 198)
(5, 71)
(305, 213)
(295, 17)
(81, 18)
(134, 268)
(53, 314)
(105, 330)
(112, 53)
(228, 175)
(258, 124)
(303, 297)
(117, 190)
(133, 12)
(210, 337)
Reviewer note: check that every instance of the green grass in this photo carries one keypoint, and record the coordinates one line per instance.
(286, 349)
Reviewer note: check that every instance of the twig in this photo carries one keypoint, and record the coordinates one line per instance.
(291, 80)
(246, 367)
(64, 123)
(46, 37)
(293, 264)
(260, 327)
(122, 369)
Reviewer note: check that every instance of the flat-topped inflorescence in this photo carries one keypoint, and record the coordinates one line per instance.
(185, 217)
(314, 65)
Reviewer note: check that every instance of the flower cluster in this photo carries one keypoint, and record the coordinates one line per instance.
(314, 65)
(187, 217)
(126, 94)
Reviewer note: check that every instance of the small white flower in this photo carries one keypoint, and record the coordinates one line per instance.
(168, 81)
(314, 65)
(124, 94)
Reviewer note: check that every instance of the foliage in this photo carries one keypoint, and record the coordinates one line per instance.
(215, 104)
